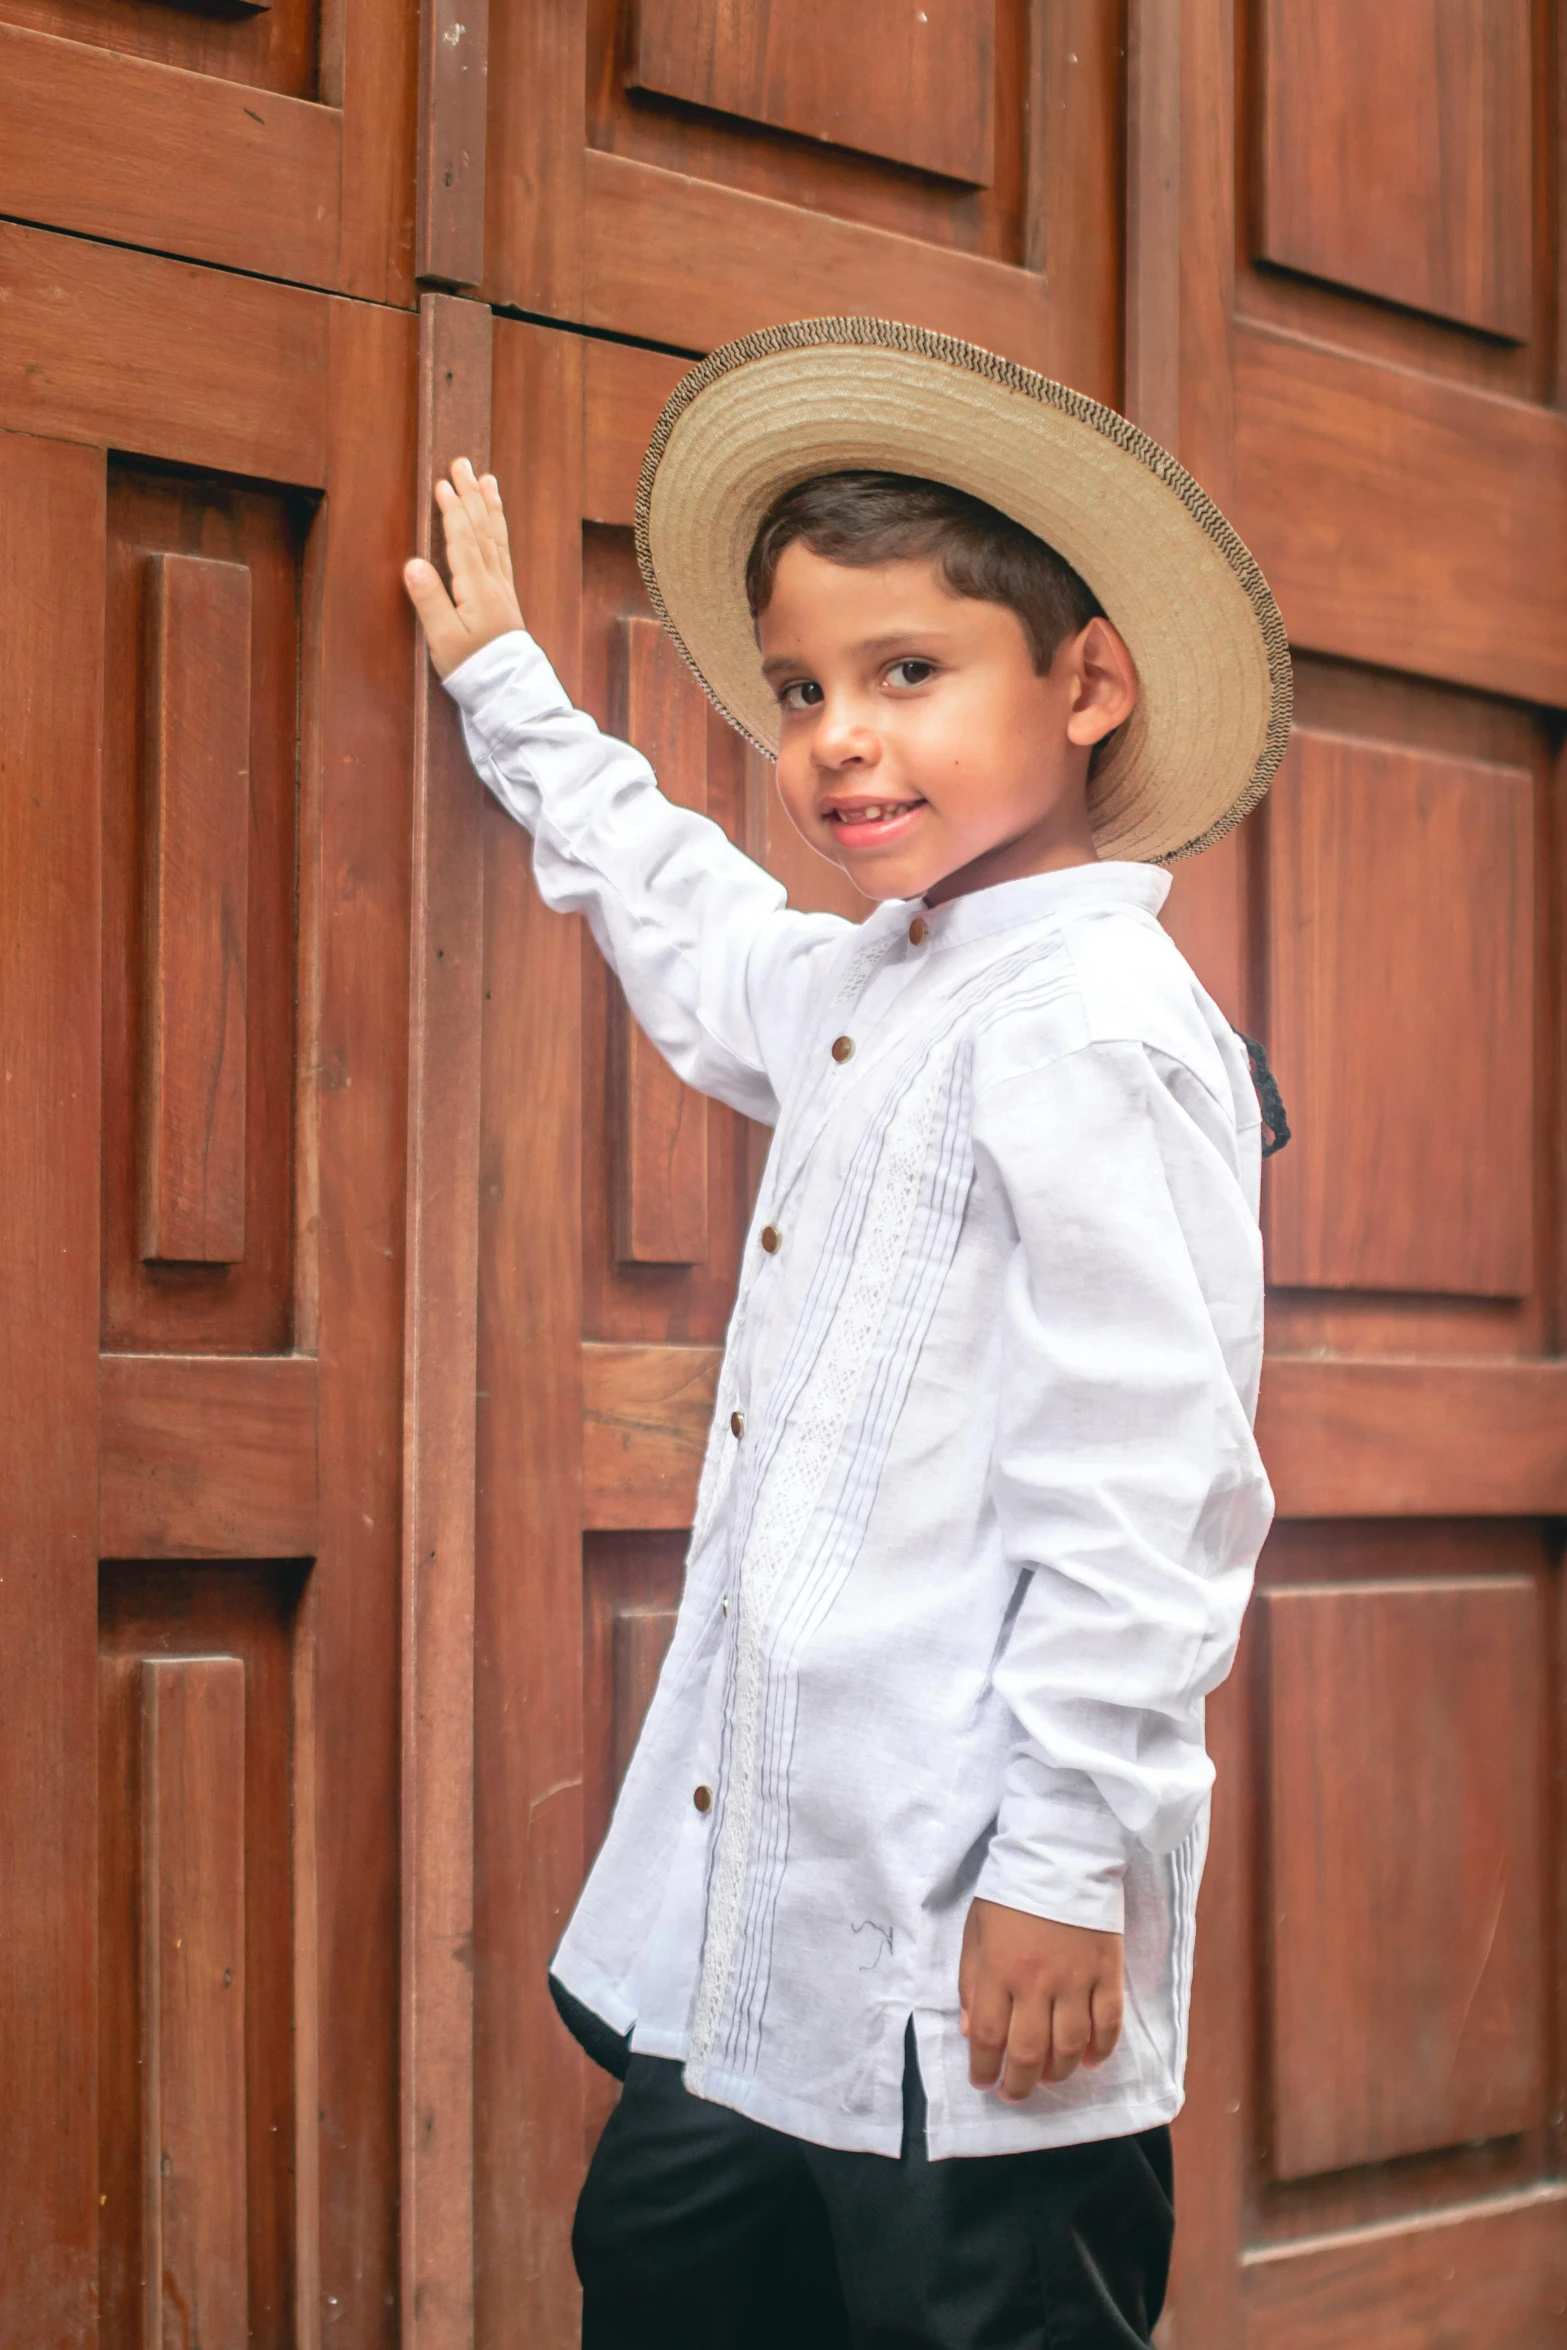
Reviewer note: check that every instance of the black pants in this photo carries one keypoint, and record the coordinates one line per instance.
(698, 2229)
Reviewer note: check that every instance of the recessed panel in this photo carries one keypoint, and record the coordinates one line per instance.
(199, 1894)
(1407, 1880)
(201, 767)
(1401, 965)
(912, 81)
(1397, 152)
(270, 44)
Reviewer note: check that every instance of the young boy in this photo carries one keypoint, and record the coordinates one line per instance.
(980, 1510)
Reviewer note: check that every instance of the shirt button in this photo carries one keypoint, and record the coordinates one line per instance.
(737, 1423)
(919, 931)
(843, 1048)
(703, 1799)
(771, 1238)
(724, 1603)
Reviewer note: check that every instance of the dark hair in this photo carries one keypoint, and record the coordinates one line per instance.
(862, 519)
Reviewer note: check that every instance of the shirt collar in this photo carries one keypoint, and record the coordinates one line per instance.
(1038, 897)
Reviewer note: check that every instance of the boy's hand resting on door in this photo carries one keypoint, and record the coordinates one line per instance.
(483, 602)
(1038, 1999)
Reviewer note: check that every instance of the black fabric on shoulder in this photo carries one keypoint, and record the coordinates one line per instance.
(610, 2050)
(1275, 1125)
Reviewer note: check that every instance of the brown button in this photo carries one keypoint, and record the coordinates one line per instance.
(843, 1048)
(919, 931)
(737, 1423)
(703, 1799)
(771, 1236)
(724, 1603)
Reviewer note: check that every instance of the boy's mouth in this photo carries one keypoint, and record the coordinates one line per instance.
(867, 823)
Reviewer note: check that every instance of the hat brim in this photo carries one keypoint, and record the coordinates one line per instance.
(825, 395)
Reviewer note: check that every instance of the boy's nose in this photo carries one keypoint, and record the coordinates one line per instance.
(843, 740)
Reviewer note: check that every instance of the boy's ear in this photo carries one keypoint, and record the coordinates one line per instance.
(1106, 682)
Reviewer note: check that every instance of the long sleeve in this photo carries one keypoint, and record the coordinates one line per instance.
(1131, 1498)
(717, 969)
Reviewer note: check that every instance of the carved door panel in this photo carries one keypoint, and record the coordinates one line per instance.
(274, 137)
(1364, 366)
(613, 1203)
(203, 789)
(685, 172)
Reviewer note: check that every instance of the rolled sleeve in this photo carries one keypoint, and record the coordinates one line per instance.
(1126, 1481)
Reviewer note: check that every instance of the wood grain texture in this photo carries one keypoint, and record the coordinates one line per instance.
(675, 260)
(149, 154)
(241, 1623)
(133, 352)
(529, 2123)
(915, 85)
(646, 1413)
(1377, 1438)
(207, 1456)
(453, 104)
(661, 1143)
(244, 1306)
(1152, 392)
(1335, 457)
(194, 2265)
(198, 909)
(642, 1637)
(1488, 2275)
(1405, 1894)
(1397, 153)
(624, 390)
(279, 52)
(1399, 1179)
(51, 652)
(370, 68)
(445, 1013)
(361, 647)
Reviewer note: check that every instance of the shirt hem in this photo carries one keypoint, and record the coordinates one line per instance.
(1012, 2130)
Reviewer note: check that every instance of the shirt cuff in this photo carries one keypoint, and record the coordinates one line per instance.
(511, 664)
(1058, 1851)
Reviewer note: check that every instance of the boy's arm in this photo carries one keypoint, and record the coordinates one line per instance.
(716, 968)
(1126, 1481)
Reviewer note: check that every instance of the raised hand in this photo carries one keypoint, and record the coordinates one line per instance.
(483, 602)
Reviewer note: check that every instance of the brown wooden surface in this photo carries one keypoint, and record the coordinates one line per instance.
(1373, 989)
(133, 352)
(915, 85)
(1335, 457)
(661, 1143)
(51, 629)
(1405, 1782)
(194, 2278)
(453, 64)
(206, 1456)
(276, 140)
(256, 537)
(239, 1623)
(1373, 1437)
(646, 1411)
(528, 1675)
(1398, 153)
(440, 1335)
(198, 911)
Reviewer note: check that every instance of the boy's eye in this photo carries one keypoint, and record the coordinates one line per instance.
(911, 672)
(803, 693)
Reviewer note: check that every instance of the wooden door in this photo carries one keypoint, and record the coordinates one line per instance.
(1357, 210)
(276, 138)
(685, 172)
(204, 799)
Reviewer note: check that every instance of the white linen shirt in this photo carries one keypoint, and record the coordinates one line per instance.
(956, 1593)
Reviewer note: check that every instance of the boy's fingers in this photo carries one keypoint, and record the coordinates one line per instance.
(1069, 2034)
(1106, 2012)
(990, 2019)
(476, 506)
(444, 632)
(1028, 2049)
(498, 530)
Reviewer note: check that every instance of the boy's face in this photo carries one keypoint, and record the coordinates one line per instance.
(918, 746)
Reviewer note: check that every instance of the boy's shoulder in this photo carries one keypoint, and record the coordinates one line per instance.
(1108, 974)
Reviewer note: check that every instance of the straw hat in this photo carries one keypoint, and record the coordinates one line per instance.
(829, 394)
